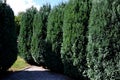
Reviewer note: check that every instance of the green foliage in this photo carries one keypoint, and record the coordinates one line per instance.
(103, 56)
(54, 37)
(39, 34)
(73, 52)
(25, 36)
(8, 40)
(17, 22)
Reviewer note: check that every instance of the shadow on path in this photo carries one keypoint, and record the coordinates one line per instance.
(35, 73)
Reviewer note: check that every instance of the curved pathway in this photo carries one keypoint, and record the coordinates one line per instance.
(35, 73)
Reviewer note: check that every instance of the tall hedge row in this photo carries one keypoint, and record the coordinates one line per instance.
(39, 34)
(73, 52)
(103, 56)
(18, 22)
(80, 38)
(25, 35)
(8, 39)
(54, 38)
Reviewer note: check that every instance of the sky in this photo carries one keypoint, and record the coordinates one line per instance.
(22, 5)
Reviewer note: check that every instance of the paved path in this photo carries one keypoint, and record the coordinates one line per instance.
(35, 73)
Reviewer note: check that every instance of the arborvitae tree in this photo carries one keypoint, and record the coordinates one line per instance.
(39, 34)
(17, 22)
(73, 52)
(104, 40)
(25, 36)
(8, 40)
(55, 37)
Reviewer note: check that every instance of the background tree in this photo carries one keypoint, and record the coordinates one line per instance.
(73, 52)
(54, 38)
(103, 56)
(18, 22)
(39, 34)
(8, 39)
(25, 36)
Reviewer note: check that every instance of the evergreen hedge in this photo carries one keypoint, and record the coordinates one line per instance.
(54, 38)
(25, 35)
(18, 22)
(73, 52)
(39, 34)
(8, 40)
(103, 56)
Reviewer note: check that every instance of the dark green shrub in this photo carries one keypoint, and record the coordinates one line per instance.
(39, 34)
(17, 25)
(54, 37)
(103, 56)
(25, 35)
(73, 52)
(8, 40)
(17, 22)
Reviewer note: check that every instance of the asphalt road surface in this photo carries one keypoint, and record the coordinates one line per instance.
(35, 73)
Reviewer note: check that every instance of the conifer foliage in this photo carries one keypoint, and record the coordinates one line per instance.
(8, 39)
(80, 38)
(54, 38)
(39, 34)
(25, 35)
(103, 56)
(73, 52)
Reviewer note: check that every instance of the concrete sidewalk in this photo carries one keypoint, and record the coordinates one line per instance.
(35, 73)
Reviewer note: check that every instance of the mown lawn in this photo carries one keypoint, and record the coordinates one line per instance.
(18, 65)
